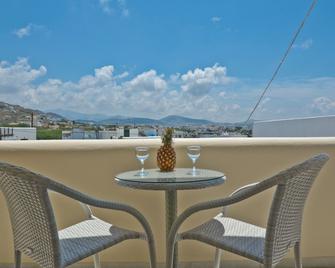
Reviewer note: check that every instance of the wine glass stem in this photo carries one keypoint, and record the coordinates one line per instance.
(142, 169)
(193, 169)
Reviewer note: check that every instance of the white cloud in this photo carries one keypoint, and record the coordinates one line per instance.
(307, 44)
(24, 31)
(222, 94)
(147, 81)
(28, 30)
(104, 73)
(215, 19)
(123, 7)
(294, 98)
(233, 107)
(18, 76)
(201, 93)
(324, 104)
(146, 94)
(109, 7)
(265, 100)
(202, 81)
(105, 6)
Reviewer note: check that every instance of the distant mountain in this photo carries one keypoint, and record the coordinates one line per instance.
(54, 116)
(177, 120)
(11, 113)
(82, 117)
(121, 120)
(171, 120)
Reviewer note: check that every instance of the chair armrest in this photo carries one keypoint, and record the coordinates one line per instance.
(237, 196)
(243, 188)
(86, 208)
(88, 200)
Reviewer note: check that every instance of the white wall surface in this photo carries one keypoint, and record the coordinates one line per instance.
(20, 133)
(133, 132)
(300, 127)
(106, 134)
(91, 165)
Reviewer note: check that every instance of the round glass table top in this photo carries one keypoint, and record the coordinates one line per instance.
(180, 178)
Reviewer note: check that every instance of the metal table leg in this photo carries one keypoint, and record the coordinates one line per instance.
(171, 215)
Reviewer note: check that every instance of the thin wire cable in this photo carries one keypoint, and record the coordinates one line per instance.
(283, 59)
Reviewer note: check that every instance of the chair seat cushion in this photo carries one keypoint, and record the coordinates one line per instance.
(232, 235)
(89, 237)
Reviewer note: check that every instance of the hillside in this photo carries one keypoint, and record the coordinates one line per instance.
(16, 114)
(176, 120)
(171, 120)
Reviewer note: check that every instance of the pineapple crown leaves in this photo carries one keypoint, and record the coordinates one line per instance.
(167, 136)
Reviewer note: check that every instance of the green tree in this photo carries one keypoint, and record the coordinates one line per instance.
(49, 134)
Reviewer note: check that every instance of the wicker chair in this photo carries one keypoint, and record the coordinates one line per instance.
(34, 227)
(266, 246)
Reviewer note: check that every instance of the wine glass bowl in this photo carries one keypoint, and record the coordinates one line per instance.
(142, 154)
(193, 153)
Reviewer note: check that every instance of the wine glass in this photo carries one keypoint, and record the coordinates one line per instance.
(193, 153)
(142, 154)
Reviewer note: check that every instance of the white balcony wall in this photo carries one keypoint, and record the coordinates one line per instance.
(90, 166)
(322, 126)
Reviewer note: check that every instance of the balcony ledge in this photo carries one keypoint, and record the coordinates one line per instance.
(90, 166)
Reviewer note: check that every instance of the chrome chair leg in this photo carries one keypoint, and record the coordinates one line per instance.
(297, 255)
(97, 263)
(17, 259)
(217, 258)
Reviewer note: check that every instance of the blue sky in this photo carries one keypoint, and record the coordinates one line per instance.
(153, 58)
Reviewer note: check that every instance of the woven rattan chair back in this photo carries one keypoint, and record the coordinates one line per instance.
(285, 220)
(31, 214)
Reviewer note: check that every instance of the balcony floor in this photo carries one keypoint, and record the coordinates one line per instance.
(322, 262)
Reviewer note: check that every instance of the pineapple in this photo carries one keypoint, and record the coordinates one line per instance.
(166, 155)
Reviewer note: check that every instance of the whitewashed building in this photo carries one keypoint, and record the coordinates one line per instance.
(321, 126)
(18, 133)
(101, 134)
(107, 134)
(178, 134)
(79, 134)
(133, 132)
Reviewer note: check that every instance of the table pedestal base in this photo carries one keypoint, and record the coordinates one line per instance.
(171, 215)
(170, 182)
